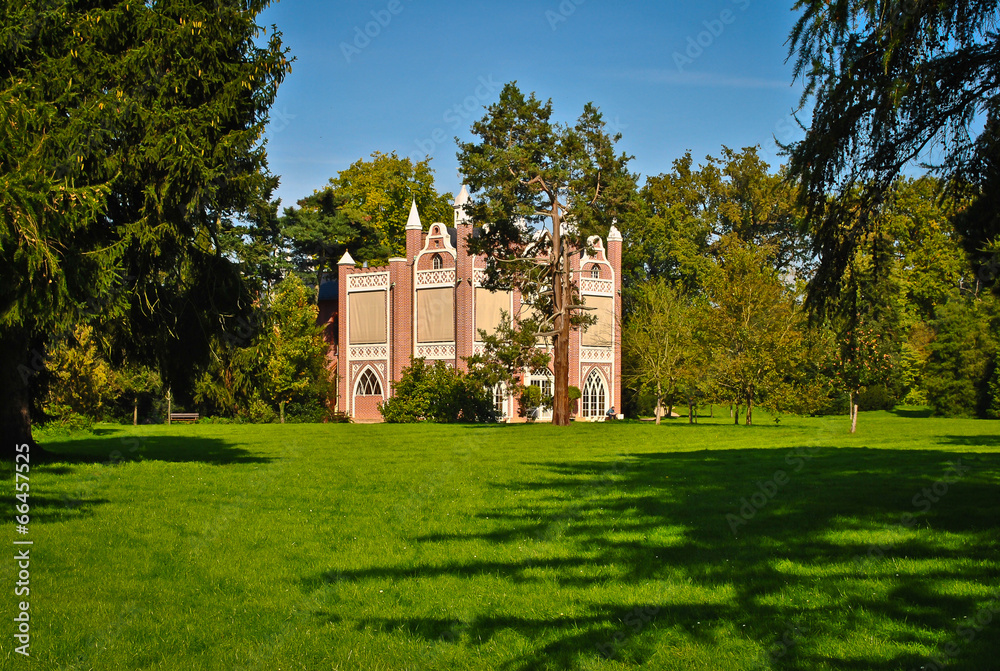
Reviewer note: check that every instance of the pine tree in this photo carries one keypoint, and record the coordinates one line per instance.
(131, 136)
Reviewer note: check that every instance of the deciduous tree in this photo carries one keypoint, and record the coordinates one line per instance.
(752, 324)
(659, 350)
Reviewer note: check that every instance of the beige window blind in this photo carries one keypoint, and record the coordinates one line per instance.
(367, 318)
(599, 334)
(488, 307)
(436, 315)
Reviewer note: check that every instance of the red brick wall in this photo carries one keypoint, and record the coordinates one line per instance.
(366, 408)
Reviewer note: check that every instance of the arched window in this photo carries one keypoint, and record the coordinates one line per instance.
(594, 396)
(595, 271)
(368, 384)
(436, 262)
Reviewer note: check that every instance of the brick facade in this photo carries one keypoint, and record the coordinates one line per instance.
(437, 260)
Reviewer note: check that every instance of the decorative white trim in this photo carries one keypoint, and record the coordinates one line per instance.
(378, 365)
(436, 351)
(478, 277)
(595, 354)
(432, 278)
(369, 351)
(361, 281)
(479, 348)
(600, 254)
(600, 287)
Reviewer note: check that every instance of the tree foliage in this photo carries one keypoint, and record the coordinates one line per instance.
(659, 352)
(132, 140)
(438, 393)
(527, 172)
(279, 360)
(82, 382)
(893, 83)
(753, 325)
(690, 209)
(962, 358)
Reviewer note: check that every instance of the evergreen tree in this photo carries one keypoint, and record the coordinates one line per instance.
(886, 81)
(526, 173)
(131, 136)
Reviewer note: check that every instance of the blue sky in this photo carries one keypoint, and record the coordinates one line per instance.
(410, 75)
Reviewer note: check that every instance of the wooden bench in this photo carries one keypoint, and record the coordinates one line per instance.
(182, 417)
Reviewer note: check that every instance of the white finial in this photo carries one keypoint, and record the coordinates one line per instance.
(346, 260)
(614, 235)
(413, 221)
(462, 198)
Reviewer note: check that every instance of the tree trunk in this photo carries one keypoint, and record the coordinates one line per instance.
(659, 402)
(854, 412)
(750, 407)
(281, 411)
(170, 407)
(690, 411)
(135, 411)
(561, 291)
(17, 366)
(736, 415)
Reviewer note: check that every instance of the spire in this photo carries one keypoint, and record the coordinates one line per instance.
(413, 221)
(461, 200)
(346, 260)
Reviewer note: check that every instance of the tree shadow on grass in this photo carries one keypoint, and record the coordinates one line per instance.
(970, 441)
(856, 545)
(912, 413)
(49, 509)
(119, 446)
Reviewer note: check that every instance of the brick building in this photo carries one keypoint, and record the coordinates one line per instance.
(430, 304)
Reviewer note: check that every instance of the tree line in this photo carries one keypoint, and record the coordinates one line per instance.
(720, 267)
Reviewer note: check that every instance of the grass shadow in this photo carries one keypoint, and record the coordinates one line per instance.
(113, 447)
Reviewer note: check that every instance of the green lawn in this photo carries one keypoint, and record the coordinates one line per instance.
(516, 547)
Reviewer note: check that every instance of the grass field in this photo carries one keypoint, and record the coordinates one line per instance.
(791, 546)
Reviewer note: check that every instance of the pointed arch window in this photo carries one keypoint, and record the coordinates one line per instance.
(436, 262)
(595, 395)
(369, 384)
(595, 271)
